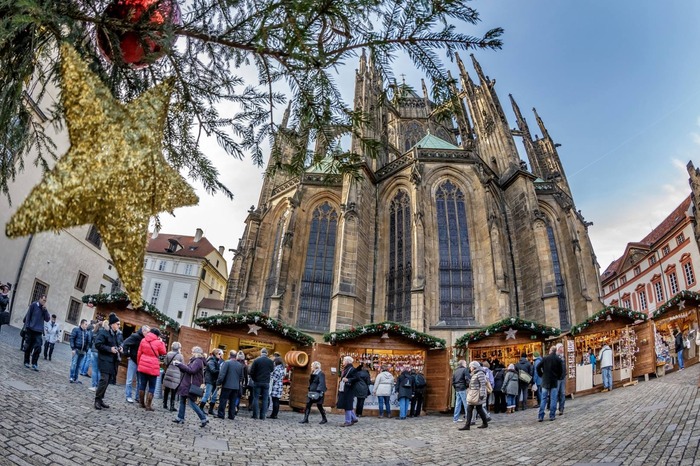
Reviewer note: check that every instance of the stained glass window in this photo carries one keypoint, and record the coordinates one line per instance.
(455, 269)
(398, 278)
(317, 281)
(564, 322)
(273, 274)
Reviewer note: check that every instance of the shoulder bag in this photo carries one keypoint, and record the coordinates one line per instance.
(195, 390)
(524, 376)
(473, 396)
(314, 396)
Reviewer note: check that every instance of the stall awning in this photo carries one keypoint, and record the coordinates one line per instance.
(256, 320)
(121, 298)
(607, 313)
(384, 327)
(507, 325)
(677, 302)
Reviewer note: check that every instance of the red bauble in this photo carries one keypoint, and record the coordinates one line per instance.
(138, 50)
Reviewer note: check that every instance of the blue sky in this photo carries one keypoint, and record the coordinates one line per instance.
(617, 85)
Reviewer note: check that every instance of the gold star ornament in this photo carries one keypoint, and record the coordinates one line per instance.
(113, 176)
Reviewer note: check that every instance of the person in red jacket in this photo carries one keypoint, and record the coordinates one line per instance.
(148, 362)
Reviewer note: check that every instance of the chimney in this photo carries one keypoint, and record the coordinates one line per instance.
(154, 235)
(198, 235)
(221, 250)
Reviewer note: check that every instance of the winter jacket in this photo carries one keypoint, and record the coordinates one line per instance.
(192, 374)
(510, 383)
(536, 377)
(347, 396)
(35, 318)
(383, 384)
(605, 357)
(317, 382)
(550, 370)
(498, 376)
(459, 379)
(106, 360)
(678, 342)
(524, 365)
(4, 301)
(231, 375)
(172, 374)
(80, 340)
(132, 343)
(211, 370)
(261, 369)
(147, 356)
(276, 381)
(478, 382)
(563, 367)
(404, 385)
(52, 332)
(361, 387)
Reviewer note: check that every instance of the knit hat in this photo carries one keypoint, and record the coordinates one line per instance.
(113, 319)
(240, 356)
(155, 331)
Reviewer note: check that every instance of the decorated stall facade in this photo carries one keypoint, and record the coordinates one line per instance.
(393, 345)
(616, 327)
(679, 313)
(571, 362)
(251, 332)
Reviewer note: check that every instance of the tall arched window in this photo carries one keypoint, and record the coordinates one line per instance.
(317, 281)
(398, 279)
(455, 270)
(564, 321)
(413, 132)
(273, 273)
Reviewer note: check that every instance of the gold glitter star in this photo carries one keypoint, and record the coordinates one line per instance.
(114, 175)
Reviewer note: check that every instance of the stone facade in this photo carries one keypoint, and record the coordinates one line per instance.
(512, 241)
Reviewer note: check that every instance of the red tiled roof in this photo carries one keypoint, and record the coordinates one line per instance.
(209, 303)
(161, 243)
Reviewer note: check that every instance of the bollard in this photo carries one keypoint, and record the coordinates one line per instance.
(158, 394)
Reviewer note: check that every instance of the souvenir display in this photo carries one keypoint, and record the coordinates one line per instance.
(395, 360)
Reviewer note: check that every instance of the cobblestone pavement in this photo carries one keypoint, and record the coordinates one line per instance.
(46, 420)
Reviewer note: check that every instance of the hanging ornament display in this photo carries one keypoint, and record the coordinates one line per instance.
(137, 48)
(113, 176)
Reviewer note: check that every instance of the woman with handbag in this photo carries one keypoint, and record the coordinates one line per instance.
(317, 389)
(510, 387)
(191, 385)
(476, 395)
(172, 375)
(346, 394)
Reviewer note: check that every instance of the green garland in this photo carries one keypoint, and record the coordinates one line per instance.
(606, 312)
(384, 327)
(505, 324)
(121, 297)
(675, 301)
(260, 319)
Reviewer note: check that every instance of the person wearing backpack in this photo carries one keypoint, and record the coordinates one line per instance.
(361, 388)
(404, 388)
(525, 373)
(418, 393)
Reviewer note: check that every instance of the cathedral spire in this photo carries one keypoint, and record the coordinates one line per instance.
(545, 134)
(460, 111)
(479, 71)
(524, 131)
(363, 62)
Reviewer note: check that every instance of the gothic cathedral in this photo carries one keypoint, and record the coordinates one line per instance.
(446, 230)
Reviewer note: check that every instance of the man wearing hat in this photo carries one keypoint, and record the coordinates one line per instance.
(108, 346)
(260, 372)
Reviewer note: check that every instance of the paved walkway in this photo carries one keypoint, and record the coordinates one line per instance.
(45, 420)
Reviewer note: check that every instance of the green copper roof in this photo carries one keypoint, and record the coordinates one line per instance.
(434, 142)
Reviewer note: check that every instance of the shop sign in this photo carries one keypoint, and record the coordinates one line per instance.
(667, 320)
(256, 344)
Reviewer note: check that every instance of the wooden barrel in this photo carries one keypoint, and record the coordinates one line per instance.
(296, 358)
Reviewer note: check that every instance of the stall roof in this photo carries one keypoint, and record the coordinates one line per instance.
(384, 327)
(122, 298)
(511, 323)
(254, 319)
(677, 301)
(606, 314)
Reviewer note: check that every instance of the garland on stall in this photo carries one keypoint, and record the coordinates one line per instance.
(506, 324)
(677, 301)
(606, 314)
(122, 298)
(384, 327)
(260, 319)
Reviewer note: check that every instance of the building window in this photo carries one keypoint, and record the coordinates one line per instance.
(689, 274)
(94, 237)
(155, 294)
(203, 313)
(652, 260)
(673, 282)
(188, 269)
(73, 316)
(659, 292)
(666, 250)
(179, 314)
(185, 295)
(161, 266)
(623, 280)
(455, 269)
(145, 263)
(643, 300)
(317, 281)
(398, 279)
(81, 282)
(275, 264)
(612, 287)
(102, 288)
(679, 239)
(40, 289)
(564, 322)
(203, 275)
(626, 303)
(637, 270)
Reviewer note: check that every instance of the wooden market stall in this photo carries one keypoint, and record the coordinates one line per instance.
(385, 343)
(567, 340)
(131, 319)
(506, 341)
(251, 332)
(616, 327)
(679, 313)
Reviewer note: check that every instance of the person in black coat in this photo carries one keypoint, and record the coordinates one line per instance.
(404, 389)
(230, 378)
(317, 388)
(108, 345)
(678, 344)
(498, 393)
(260, 372)
(361, 388)
(550, 369)
(346, 395)
(525, 366)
